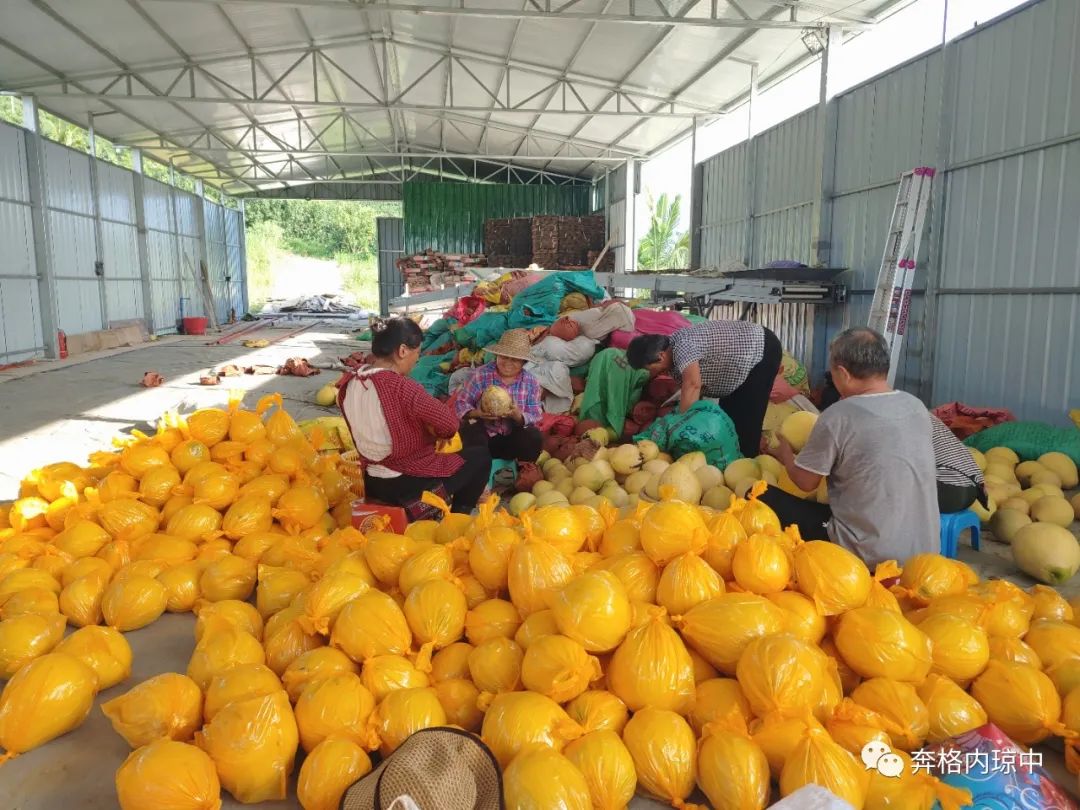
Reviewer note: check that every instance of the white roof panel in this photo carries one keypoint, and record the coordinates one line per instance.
(530, 81)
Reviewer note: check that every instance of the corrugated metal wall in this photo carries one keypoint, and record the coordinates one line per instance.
(20, 311)
(91, 213)
(450, 217)
(998, 324)
(391, 246)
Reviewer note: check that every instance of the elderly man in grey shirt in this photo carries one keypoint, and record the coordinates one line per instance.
(876, 449)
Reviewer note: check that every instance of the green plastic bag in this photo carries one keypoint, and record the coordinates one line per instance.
(703, 427)
(611, 389)
(438, 333)
(481, 332)
(538, 305)
(427, 372)
(1029, 440)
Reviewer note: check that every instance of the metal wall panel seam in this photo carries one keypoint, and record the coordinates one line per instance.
(35, 171)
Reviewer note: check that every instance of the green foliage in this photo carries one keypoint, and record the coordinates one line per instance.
(322, 228)
(11, 110)
(264, 250)
(361, 281)
(664, 247)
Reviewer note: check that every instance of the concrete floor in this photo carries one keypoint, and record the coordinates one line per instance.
(58, 411)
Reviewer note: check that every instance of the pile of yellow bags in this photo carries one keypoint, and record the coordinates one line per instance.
(664, 649)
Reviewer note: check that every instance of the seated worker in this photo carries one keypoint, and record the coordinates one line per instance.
(395, 425)
(514, 436)
(876, 448)
(734, 362)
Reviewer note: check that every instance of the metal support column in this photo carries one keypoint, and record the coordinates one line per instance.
(751, 171)
(244, 300)
(825, 153)
(141, 241)
(95, 204)
(630, 217)
(35, 171)
(204, 243)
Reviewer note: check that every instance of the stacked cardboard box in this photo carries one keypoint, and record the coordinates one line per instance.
(566, 241)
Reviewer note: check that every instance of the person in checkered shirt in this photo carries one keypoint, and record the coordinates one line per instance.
(734, 362)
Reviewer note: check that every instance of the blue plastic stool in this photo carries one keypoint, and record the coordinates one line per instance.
(952, 523)
(499, 464)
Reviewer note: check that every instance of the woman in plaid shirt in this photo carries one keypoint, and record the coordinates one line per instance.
(513, 437)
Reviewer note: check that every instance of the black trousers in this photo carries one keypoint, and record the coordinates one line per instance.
(522, 443)
(464, 487)
(746, 405)
(952, 498)
(809, 516)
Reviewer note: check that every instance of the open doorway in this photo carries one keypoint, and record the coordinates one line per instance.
(298, 248)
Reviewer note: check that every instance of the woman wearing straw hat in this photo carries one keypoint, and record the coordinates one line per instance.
(512, 435)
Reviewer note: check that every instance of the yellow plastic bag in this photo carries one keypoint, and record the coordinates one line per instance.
(402, 713)
(216, 491)
(960, 648)
(128, 519)
(607, 766)
(545, 778)
(435, 611)
(817, 759)
(277, 588)
(167, 705)
(802, 618)
(164, 548)
(339, 705)
(247, 515)
(240, 615)
(853, 726)
(720, 628)
(662, 746)
(912, 791)
(638, 574)
(1053, 641)
(519, 720)
(951, 710)
(929, 576)
(1049, 604)
(536, 625)
(778, 736)
(652, 668)
(536, 571)
(732, 770)
(492, 618)
(48, 697)
(24, 638)
(133, 602)
(782, 675)
(102, 649)
(230, 577)
(315, 665)
(621, 536)
(189, 453)
(495, 666)
(1020, 700)
(760, 564)
(451, 662)
(880, 643)
(559, 668)
(83, 538)
(80, 601)
(27, 578)
(239, 683)
(714, 700)
(325, 599)
(385, 553)
(687, 581)
(832, 576)
(557, 526)
(900, 704)
(85, 567)
(459, 700)
(268, 486)
(300, 507)
(287, 644)
(222, 646)
(436, 562)
(41, 601)
(489, 556)
(383, 674)
(207, 425)
(116, 485)
(194, 522)
(168, 775)
(1007, 609)
(371, 624)
(328, 771)
(672, 528)
(593, 609)
(253, 745)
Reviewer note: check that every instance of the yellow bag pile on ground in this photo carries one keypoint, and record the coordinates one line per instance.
(545, 778)
(328, 771)
(168, 774)
(167, 705)
(652, 667)
(732, 770)
(662, 746)
(607, 766)
(339, 705)
(104, 650)
(48, 697)
(520, 720)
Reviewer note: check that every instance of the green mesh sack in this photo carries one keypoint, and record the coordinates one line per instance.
(1029, 440)
(705, 427)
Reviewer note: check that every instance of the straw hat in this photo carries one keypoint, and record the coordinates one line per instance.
(513, 343)
(438, 769)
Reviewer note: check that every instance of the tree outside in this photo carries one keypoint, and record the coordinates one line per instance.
(664, 246)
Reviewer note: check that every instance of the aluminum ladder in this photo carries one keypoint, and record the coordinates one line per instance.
(892, 295)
